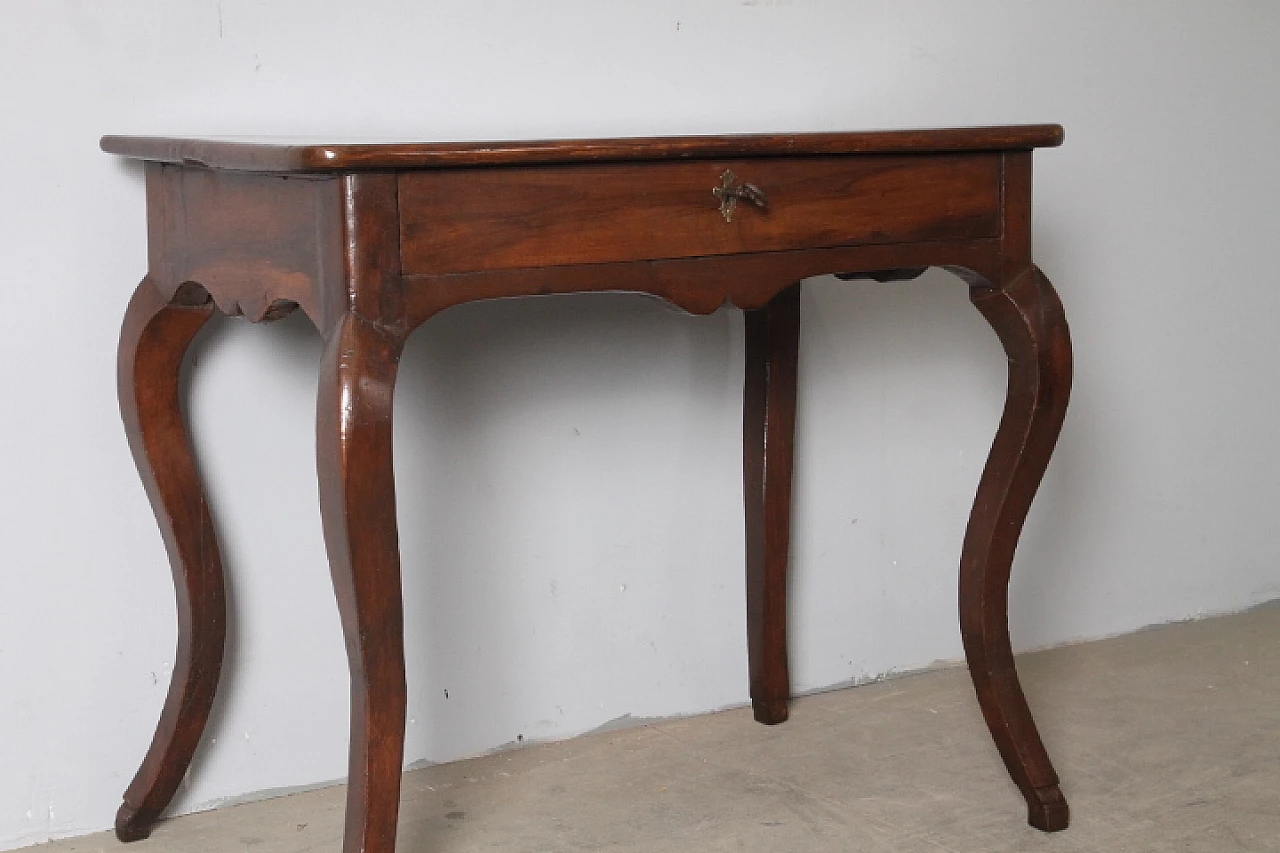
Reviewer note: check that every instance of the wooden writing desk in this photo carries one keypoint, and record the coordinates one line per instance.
(372, 240)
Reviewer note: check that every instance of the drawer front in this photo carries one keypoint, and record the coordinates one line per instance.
(461, 220)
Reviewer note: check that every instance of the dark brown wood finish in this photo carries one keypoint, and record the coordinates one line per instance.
(768, 440)
(358, 504)
(693, 284)
(1028, 317)
(268, 154)
(261, 245)
(373, 240)
(1025, 312)
(158, 328)
(464, 220)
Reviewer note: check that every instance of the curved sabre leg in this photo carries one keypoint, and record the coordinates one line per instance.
(1028, 317)
(155, 336)
(358, 506)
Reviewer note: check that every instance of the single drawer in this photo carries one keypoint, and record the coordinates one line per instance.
(460, 220)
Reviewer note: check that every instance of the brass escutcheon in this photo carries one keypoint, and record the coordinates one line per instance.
(730, 191)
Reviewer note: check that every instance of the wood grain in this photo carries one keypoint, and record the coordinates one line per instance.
(697, 285)
(358, 504)
(768, 448)
(358, 508)
(1027, 316)
(391, 235)
(461, 220)
(154, 338)
(260, 245)
(275, 154)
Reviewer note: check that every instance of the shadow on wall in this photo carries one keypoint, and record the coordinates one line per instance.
(570, 516)
(902, 386)
(569, 490)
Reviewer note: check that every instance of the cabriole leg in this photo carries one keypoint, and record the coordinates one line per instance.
(154, 339)
(1028, 317)
(357, 503)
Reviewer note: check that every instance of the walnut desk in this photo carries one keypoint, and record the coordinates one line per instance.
(372, 240)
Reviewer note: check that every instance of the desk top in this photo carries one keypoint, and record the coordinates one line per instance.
(293, 155)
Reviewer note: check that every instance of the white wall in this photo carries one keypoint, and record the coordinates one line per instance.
(569, 482)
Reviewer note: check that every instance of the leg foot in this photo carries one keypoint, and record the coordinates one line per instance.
(357, 502)
(1027, 316)
(128, 827)
(1047, 809)
(770, 711)
(768, 433)
(155, 337)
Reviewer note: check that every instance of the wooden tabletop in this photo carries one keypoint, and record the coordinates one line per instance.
(285, 154)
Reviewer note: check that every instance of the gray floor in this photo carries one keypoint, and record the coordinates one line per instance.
(1165, 740)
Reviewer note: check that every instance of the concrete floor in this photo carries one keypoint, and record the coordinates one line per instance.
(1166, 740)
